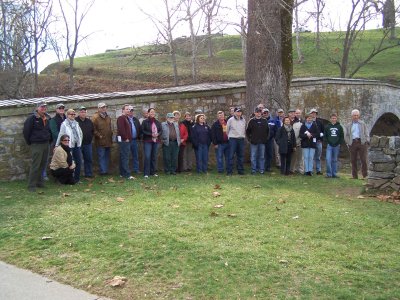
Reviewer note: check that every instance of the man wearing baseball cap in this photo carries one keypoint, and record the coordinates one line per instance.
(37, 135)
(236, 129)
(318, 149)
(102, 137)
(87, 128)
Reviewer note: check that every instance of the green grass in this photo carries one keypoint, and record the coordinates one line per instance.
(227, 65)
(275, 237)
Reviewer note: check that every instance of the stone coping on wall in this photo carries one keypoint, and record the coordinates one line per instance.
(197, 88)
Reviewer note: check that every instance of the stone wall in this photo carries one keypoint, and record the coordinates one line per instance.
(327, 94)
(384, 163)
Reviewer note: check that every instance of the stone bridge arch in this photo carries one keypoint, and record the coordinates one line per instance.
(386, 123)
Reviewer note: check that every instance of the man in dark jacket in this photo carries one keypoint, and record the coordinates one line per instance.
(136, 134)
(219, 136)
(87, 128)
(124, 138)
(318, 149)
(334, 136)
(257, 133)
(37, 135)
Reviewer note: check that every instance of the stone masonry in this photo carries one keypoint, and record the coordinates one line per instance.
(384, 163)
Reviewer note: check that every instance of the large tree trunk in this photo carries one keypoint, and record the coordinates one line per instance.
(269, 53)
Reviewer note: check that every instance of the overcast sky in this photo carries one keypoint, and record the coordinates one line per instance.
(120, 23)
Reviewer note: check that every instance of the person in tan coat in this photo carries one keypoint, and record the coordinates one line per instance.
(102, 137)
(62, 166)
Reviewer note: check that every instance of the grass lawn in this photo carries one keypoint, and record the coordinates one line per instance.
(274, 238)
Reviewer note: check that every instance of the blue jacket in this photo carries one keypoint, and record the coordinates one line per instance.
(201, 134)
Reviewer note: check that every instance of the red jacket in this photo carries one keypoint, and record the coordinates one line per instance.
(124, 128)
(183, 133)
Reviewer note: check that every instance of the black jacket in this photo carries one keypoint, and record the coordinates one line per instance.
(257, 131)
(146, 130)
(188, 125)
(36, 131)
(321, 128)
(217, 134)
(309, 142)
(138, 127)
(87, 130)
(285, 143)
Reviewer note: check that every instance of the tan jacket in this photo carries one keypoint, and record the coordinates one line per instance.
(363, 133)
(59, 159)
(102, 130)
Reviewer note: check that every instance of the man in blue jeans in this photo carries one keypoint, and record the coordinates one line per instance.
(257, 133)
(87, 128)
(334, 135)
(318, 149)
(236, 128)
(219, 136)
(124, 138)
(136, 133)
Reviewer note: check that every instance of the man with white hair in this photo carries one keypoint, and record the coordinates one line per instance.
(357, 140)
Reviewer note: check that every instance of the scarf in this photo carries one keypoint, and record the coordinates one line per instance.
(75, 135)
(288, 129)
(103, 114)
(69, 156)
(154, 130)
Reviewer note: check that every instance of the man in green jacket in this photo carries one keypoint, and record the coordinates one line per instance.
(334, 136)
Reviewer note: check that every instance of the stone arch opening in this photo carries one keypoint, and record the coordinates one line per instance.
(387, 125)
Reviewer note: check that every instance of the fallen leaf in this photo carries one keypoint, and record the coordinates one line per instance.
(217, 187)
(46, 238)
(66, 195)
(90, 185)
(283, 261)
(120, 199)
(214, 214)
(295, 217)
(218, 205)
(117, 281)
(175, 206)
(360, 197)
(281, 201)
(257, 186)
(232, 215)
(87, 190)
(277, 208)
(8, 197)
(216, 194)
(226, 264)
(111, 179)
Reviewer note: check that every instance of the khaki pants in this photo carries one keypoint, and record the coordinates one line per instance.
(297, 164)
(357, 149)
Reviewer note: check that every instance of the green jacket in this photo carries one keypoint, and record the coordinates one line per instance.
(334, 134)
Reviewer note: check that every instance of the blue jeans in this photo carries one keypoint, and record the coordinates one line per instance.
(124, 159)
(332, 154)
(221, 152)
(150, 158)
(236, 146)
(103, 155)
(77, 157)
(135, 155)
(257, 157)
(201, 158)
(308, 157)
(87, 159)
(317, 156)
(269, 154)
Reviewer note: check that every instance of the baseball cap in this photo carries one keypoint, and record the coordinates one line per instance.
(291, 110)
(313, 110)
(257, 110)
(265, 110)
(41, 103)
(60, 105)
(280, 110)
(82, 108)
(130, 107)
(238, 109)
(101, 104)
(170, 115)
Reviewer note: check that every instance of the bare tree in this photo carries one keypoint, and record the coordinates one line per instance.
(241, 27)
(72, 30)
(211, 10)
(23, 30)
(166, 26)
(297, 30)
(192, 9)
(389, 17)
(319, 8)
(269, 64)
(348, 58)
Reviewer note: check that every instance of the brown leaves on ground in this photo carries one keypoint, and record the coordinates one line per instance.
(392, 198)
(216, 194)
(217, 187)
(64, 195)
(117, 281)
(218, 206)
(120, 199)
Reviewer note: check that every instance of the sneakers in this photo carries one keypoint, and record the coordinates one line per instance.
(319, 173)
(130, 178)
(146, 176)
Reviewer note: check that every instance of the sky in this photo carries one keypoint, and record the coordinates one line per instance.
(115, 24)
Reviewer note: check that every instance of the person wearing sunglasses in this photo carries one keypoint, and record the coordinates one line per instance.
(62, 165)
(71, 127)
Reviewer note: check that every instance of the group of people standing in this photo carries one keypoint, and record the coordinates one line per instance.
(295, 144)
